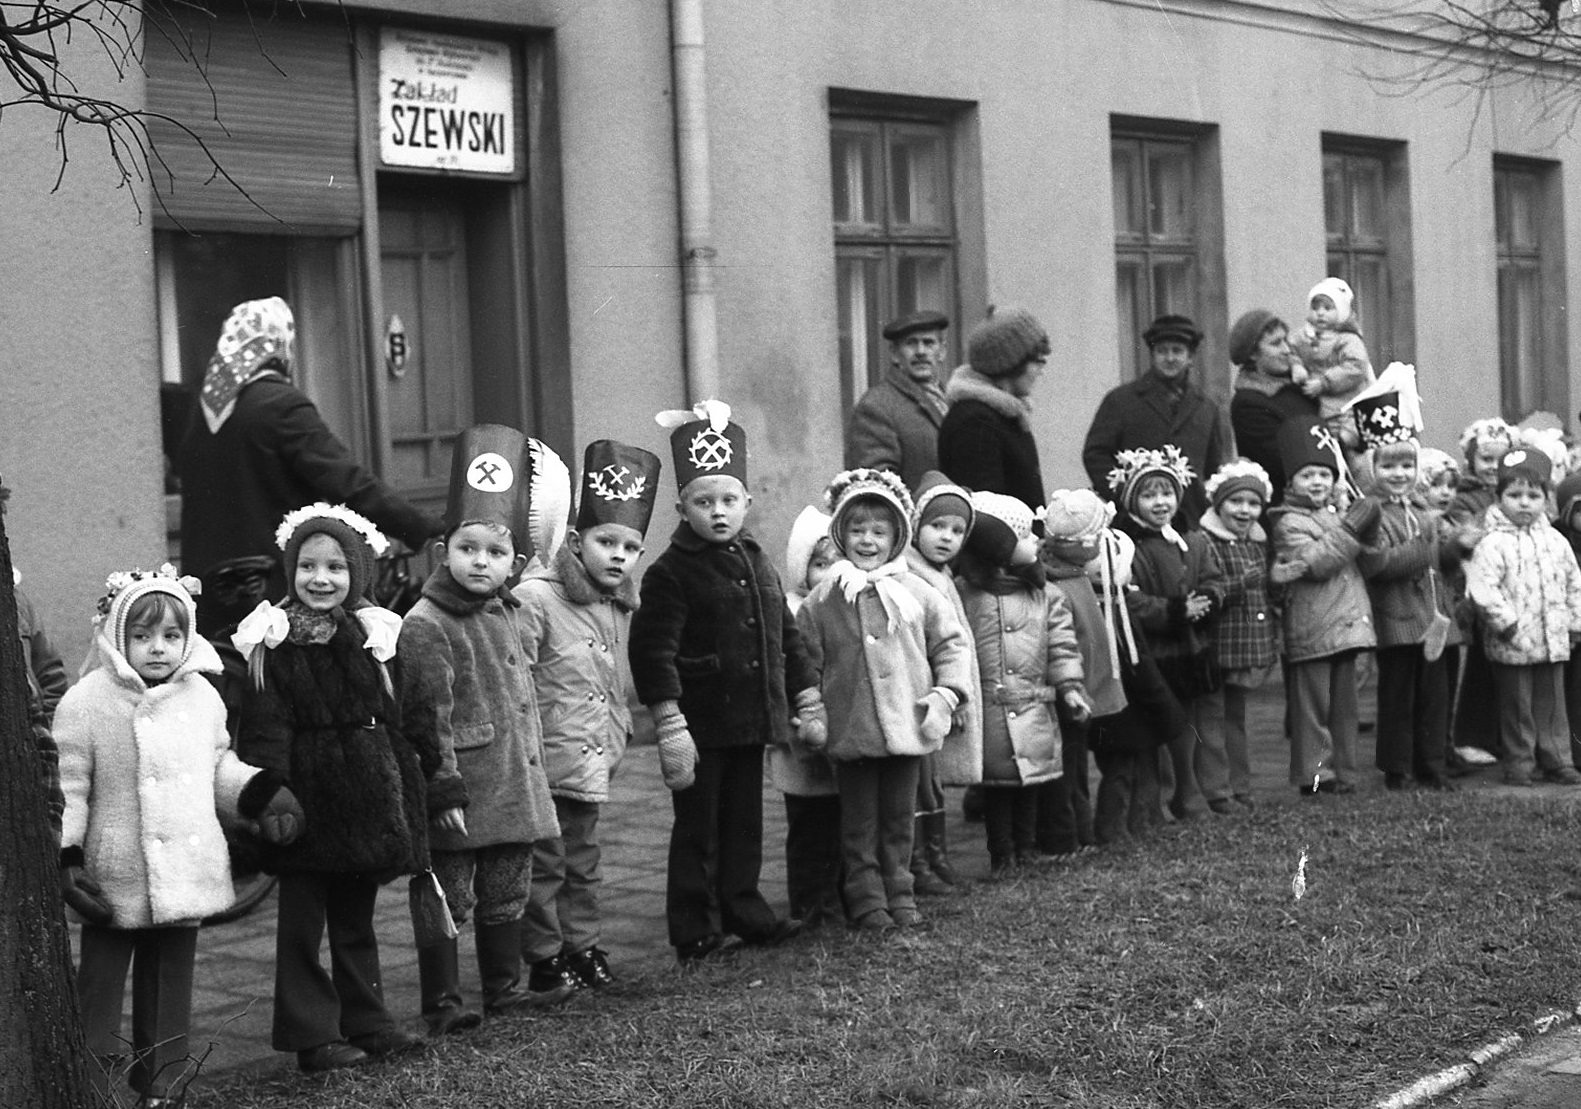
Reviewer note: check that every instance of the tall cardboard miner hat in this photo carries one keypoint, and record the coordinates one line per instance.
(705, 443)
(1305, 441)
(491, 482)
(619, 484)
(1389, 410)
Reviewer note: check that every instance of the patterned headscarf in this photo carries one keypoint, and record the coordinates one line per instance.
(257, 338)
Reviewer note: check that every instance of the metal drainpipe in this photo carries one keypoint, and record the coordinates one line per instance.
(695, 201)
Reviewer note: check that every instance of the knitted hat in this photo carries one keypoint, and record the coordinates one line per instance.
(1240, 476)
(1480, 431)
(1432, 464)
(1132, 466)
(925, 320)
(490, 483)
(359, 540)
(1005, 341)
(1340, 293)
(1567, 495)
(1181, 329)
(1247, 332)
(1075, 516)
(809, 528)
(1304, 441)
(938, 496)
(705, 443)
(551, 501)
(851, 487)
(125, 588)
(1523, 464)
(993, 538)
(619, 484)
(1389, 410)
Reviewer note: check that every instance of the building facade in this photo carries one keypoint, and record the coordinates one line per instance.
(477, 210)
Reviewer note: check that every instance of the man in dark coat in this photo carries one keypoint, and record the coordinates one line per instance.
(895, 426)
(1162, 406)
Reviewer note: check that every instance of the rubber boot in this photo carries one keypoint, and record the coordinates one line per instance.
(500, 964)
(1113, 808)
(923, 881)
(439, 975)
(934, 839)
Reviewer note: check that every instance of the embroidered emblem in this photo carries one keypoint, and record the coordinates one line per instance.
(617, 483)
(709, 450)
(490, 473)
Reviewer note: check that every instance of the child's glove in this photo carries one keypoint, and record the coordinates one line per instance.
(677, 750)
(81, 892)
(1076, 703)
(1284, 571)
(282, 819)
(938, 711)
(811, 720)
(1363, 518)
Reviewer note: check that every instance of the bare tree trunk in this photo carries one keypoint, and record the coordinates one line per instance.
(43, 1062)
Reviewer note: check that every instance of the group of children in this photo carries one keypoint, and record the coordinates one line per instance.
(921, 639)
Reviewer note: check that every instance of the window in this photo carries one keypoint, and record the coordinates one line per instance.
(894, 233)
(1532, 371)
(1167, 238)
(1366, 217)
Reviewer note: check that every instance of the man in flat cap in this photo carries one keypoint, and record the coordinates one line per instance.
(895, 426)
(1162, 406)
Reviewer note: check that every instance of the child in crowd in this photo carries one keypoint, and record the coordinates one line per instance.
(717, 657)
(1029, 660)
(321, 712)
(1333, 357)
(46, 673)
(1327, 614)
(576, 616)
(805, 776)
(1178, 590)
(1437, 479)
(943, 520)
(465, 691)
(1246, 635)
(1410, 602)
(146, 763)
(1526, 585)
(895, 669)
(1074, 526)
(1568, 498)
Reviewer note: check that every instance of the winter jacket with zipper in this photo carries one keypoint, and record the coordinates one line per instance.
(1161, 577)
(147, 773)
(1405, 571)
(1028, 656)
(576, 636)
(713, 634)
(1246, 636)
(1527, 588)
(1326, 610)
(986, 441)
(466, 667)
(960, 761)
(875, 676)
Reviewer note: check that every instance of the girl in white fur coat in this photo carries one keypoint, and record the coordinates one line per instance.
(146, 769)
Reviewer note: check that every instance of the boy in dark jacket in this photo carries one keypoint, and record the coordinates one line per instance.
(717, 658)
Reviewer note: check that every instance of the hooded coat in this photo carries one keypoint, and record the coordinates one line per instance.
(146, 773)
(1340, 358)
(575, 635)
(1162, 576)
(1327, 609)
(1527, 588)
(960, 761)
(986, 442)
(794, 768)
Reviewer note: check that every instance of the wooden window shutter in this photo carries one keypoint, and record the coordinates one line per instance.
(273, 96)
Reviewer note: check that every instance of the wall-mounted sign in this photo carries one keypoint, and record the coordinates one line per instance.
(446, 102)
(397, 347)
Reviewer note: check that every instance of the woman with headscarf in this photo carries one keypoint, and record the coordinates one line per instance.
(1265, 394)
(257, 448)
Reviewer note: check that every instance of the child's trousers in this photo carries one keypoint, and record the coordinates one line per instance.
(1532, 717)
(562, 905)
(812, 857)
(1222, 772)
(312, 1007)
(878, 799)
(161, 960)
(716, 849)
(1413, 712)
(1323, 718)
(493, 881)
(1129, 795)
(1010, 817)
(1237, 744)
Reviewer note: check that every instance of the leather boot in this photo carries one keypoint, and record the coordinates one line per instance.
(439, 975)
(923, 881)
(933, 826)
(1110, 815)
(500, 964)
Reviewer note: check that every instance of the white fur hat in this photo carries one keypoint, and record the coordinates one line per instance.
(1340, 293)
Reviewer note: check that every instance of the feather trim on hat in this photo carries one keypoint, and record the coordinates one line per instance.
(1132, 465)
(549, 510)
(715, 412)
(1398, 377)
(356, 521)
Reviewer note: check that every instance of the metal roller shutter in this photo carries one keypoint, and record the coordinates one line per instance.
(272, 94)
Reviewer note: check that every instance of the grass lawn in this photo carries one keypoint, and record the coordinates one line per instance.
(1181, 972)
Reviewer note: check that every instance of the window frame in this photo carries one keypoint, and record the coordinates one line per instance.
(1549, 378)
(1393, 338)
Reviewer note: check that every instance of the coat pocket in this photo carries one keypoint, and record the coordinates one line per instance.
(697, 666)
(470, 736)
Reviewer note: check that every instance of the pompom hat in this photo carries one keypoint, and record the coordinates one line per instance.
(851, 487)
(359, 540)
(1076, 516)
(1240, 476)
(1006, 340)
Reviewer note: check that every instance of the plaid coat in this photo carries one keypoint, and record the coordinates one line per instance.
(1247, 635)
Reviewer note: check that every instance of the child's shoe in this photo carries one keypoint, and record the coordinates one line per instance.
(1394, 780)
(1439, 782)
(591, 967)
(905, 917)
(1563, 775)
(783, 929)
(1247, 803)
(695, 951)
(327, 1057)
(924, 883)
(936, 846)
(553, 973)
(391, 1041)
(1222, 806)
(1001, 866)
(877, 921)
(1518, 778)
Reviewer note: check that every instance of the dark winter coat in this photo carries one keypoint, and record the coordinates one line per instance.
(1404, 569)
(713, 633)
(275, 453)
(46, 673)
(895, 426)
(1473, 498)
(1162, 575)
(1101, 679)
(466, 672)
(1142, 413)
(325, 721)
(1259, 407)
(986, 442)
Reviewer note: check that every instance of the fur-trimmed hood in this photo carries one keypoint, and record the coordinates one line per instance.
(1216, 527)
(967, 384)
(579, 588)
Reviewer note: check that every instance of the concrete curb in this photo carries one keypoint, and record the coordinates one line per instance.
(1426, 1089)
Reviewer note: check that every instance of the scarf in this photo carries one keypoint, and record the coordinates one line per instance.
(255, 342)
(900, 607)
(1167, 531)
